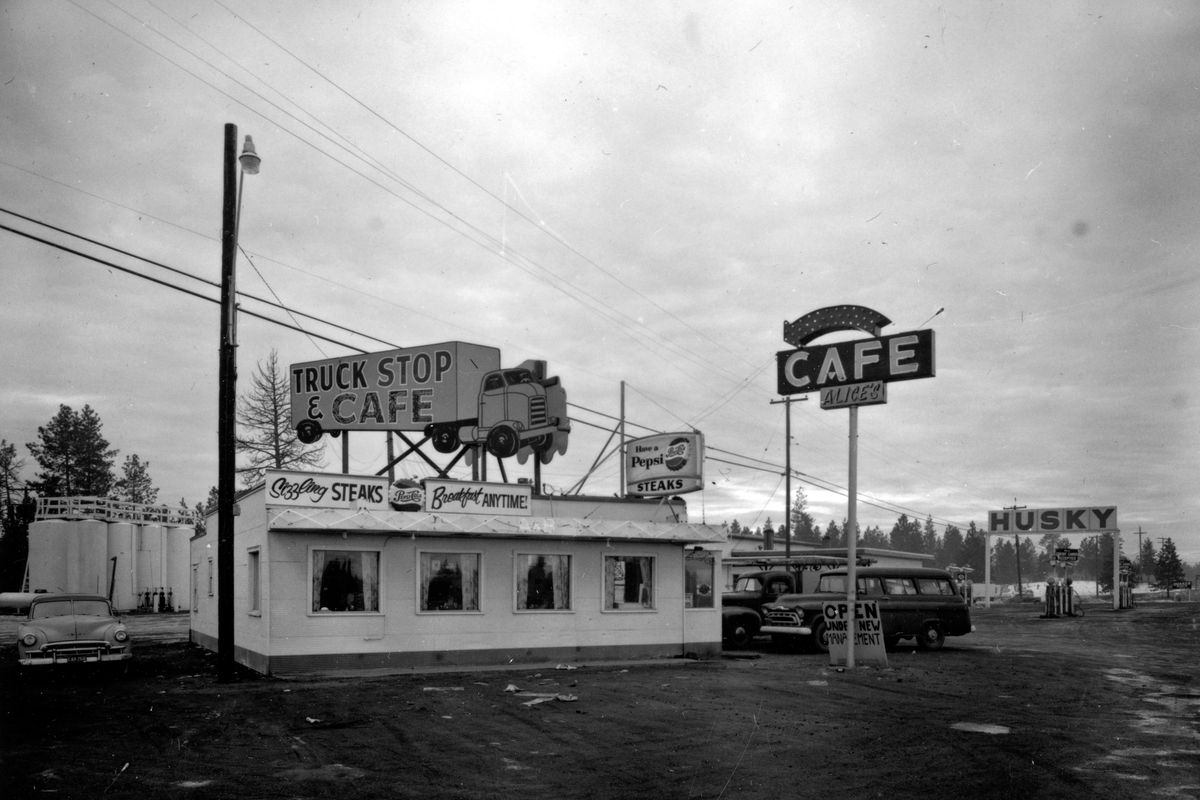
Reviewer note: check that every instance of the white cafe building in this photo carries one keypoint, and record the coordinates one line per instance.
(328, 575)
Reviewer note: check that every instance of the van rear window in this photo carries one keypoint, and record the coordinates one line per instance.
(935, 586)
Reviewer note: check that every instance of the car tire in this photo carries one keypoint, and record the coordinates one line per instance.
(820, 637)
(931, 637)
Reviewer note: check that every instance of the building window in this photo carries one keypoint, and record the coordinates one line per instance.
(449, 581)
(543, 581)
(254, 591)
(210, 577)
(628, 582)
(698, 570)
(345, 580)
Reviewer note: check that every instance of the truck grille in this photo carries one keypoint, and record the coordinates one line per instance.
(784, 617)
(537, 411)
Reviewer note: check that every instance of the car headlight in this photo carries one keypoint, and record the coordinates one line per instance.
(121, 635)
(29, 640)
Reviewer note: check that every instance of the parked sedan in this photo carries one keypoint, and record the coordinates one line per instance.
(71, 629)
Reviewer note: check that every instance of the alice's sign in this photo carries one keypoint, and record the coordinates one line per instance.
(324, 490)
(664, 464)
(470, 497)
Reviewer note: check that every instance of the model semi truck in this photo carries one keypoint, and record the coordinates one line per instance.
(455, 393)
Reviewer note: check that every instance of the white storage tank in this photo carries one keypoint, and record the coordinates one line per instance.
(88, 567)
(48, 555)
(149, 558)
(178, 571)
(122, 545)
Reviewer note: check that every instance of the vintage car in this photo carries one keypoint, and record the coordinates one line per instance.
(71, 629)
(914, 603)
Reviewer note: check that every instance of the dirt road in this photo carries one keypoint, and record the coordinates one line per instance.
(1103, 706)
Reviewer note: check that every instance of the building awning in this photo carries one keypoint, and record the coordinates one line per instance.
(420, 523)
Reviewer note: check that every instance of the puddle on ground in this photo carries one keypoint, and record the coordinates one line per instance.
(981, 727)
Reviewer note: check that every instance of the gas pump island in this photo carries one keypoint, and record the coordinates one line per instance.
(850, 374)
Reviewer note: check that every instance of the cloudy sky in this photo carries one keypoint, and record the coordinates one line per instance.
(639, 193)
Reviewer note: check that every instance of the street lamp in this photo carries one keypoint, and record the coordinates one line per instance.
(227, 399)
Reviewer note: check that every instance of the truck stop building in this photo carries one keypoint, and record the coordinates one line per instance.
(330, 575)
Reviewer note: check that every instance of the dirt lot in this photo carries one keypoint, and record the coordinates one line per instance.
(1103, 706)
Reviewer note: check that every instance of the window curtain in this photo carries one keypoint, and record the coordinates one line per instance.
(318, 569)
(470, 583)
(370, 581)
(561, 571)
(646, 592)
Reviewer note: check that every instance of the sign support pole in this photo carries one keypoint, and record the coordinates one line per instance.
(1116, 592)
(852, 539)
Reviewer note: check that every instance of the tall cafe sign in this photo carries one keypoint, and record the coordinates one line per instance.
(848, 375)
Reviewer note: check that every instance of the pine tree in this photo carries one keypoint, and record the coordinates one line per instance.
(265, 434)
(800, 520)
(1169, 567)
(135, 485)
(74, 456)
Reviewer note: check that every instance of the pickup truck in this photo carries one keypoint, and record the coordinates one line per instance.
(914, 602)
(741, 608)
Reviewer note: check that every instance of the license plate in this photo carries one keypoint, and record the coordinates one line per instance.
(75, 659)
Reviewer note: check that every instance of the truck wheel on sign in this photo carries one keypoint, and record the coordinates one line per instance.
(444, 438)
(503, 442)
(308, 431)
(820, 637)
(541, 444)
(931, 637)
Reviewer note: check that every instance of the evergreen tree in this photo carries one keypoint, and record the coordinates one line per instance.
(974, 544)
(836, 536)
(800, 520)
(1143, 569)
(135, 485)
(874, 537)
(1004, 561)
(952, 545)
(265, 435)
(75, 458)
(14, 521)
(929, 538)
(1168, 567)
(906, 535)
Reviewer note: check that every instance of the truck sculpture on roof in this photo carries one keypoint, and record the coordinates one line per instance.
(455, 393)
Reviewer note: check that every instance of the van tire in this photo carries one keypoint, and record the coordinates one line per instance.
(503, 442)
(931, 637)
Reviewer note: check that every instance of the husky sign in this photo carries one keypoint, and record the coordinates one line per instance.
(666, 464)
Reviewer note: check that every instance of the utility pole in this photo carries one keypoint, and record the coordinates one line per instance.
(787, 476)
(1015, 508)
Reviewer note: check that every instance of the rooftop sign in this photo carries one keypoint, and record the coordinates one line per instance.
(899, 357)
(665, 464)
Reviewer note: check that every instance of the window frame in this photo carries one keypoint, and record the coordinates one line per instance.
(708, 559)
(421, 583)
(522, 565)
(380, 583)
(254, 581)
(636, 606)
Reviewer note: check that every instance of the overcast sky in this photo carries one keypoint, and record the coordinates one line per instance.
(640, 192)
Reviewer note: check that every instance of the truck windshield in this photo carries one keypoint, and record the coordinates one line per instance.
(748, 583)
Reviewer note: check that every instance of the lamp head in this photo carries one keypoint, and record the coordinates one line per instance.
(249, 158)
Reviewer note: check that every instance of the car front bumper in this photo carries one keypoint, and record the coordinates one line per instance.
(44, 659)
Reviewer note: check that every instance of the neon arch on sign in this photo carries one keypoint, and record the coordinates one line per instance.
(831, 319)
